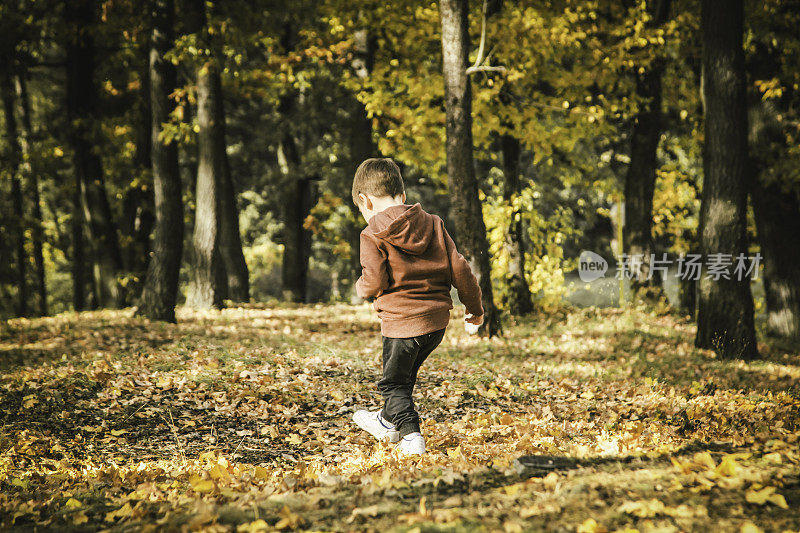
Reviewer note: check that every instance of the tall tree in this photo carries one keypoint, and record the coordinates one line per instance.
(15, 171)
(725, 306)
(296, 240)
(640, 178)
(775, 189)
(238, 277)
(777, 216)
(32, 178)
(463, 184)
(294, 266)
(161, 283)
(209, 284)
(361, 144)
(84, 118)
(776, 209)
(137, 216)
(518, 294)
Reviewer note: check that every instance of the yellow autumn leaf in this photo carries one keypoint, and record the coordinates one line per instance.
(79, 518)
(727, 466)
(779, 500)
(704, 459)
(201, 485)
(749, 527)
(218, 472)
(759, 497)
(123, 512)
(642, 508)
(774, 457)
(513, 490)
(590, 525)
(289, 520)
(550, 480)
(255, 526)
(72, 503)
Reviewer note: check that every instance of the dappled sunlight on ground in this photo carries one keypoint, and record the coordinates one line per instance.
(242, 417)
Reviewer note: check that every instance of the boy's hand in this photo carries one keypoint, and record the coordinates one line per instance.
(472, 323)
(477, 320)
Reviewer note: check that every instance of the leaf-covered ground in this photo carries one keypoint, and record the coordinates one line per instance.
(240, 421)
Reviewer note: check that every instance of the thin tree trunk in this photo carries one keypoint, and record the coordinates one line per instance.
(82, 96)
(238, 278)
(161, 282)
(640, 178)
(725, 306)
(138, 218)
(777, 215)
(32, 177)
(294, 266)
(78, 249)
(209, 285)
(463, 185)
(294, 270)
(16, 195)
(518, 296)
(362, 146)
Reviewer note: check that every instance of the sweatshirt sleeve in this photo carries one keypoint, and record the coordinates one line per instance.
(465, 282)
(374, 277)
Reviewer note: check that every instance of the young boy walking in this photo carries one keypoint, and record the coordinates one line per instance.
(408, 264)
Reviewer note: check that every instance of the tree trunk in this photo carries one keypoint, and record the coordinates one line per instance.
(640, 178)
(82, 96)
(725, 306)
(776, 208)
(161, 282)
(32, 176)
(78, 250)
(238, 279)
(361, 147)
(518, 295)
(18, 219)
(775, 199)
(294, 265)
(777, 215)
(297, 244)
(463, 185)
(138, 218)
(209, 285)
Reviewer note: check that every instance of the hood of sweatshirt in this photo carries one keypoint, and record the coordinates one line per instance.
(407, 227)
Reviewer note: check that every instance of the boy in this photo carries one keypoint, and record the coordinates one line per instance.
(408, 264)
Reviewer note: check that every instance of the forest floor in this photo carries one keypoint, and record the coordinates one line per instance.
(240, 420)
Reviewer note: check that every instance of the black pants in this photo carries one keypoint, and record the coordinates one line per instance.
(401, 361)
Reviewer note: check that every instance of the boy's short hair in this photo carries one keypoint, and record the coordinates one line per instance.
(378, 176)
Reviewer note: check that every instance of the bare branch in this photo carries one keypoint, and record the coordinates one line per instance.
(478, 66)
(486, 68)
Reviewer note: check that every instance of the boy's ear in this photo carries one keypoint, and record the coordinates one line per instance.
(403, 197)
(365, 201)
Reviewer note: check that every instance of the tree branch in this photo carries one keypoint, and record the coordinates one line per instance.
(478, 67)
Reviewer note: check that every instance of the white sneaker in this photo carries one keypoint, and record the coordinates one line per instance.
(373, 423)
(412, 444)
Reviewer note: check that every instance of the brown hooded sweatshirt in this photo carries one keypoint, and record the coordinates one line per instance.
(408, 264)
